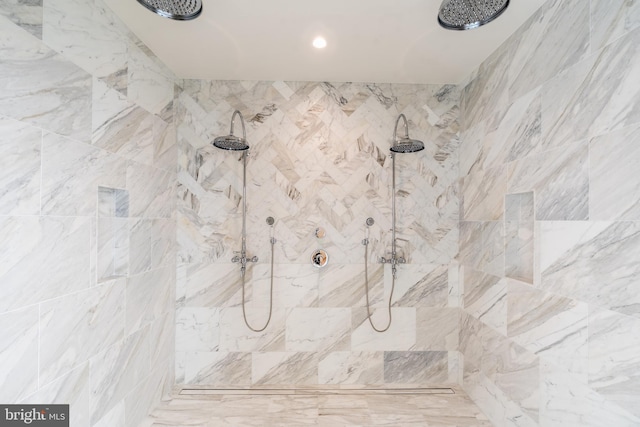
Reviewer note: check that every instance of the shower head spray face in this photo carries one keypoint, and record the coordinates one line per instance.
(405, 144)
(468, 14)
(179, 10)
(232, 142)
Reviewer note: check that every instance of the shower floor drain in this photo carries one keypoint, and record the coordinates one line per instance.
(313, 391)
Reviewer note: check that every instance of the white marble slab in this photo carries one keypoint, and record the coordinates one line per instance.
(314, 329)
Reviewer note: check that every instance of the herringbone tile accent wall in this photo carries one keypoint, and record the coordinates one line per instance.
(319, 157)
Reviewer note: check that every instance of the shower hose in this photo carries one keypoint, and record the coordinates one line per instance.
(244, 311)
(365, 242)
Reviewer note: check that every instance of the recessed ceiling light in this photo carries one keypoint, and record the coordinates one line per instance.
(319, 42)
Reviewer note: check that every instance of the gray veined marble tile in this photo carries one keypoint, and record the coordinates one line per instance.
(554, 38)
(235, 336)
(421, 286)
(343, 285)
(580, 259)
(314, 329)
(614, 363)
(614, 184)
(197, 329)
(401, 335)
(25, 14)
(483, 195)
(212, 285)
(596, 96)
(519, 236)
(151, 191)
(437, 329)
(42, 258)
(294, 285)
(485, 298)
(116, 371)
(41, 87)
(346, 367)
(148, 297)
(75, 328)
(415, 367)
(87, 33)
(121, 127)
(611, 20)
(216, 368)
(71, 174)
(19, 354)
(72, 389)
(148, 84)
(281, 368)
(21, 152)
(551, 326)
(560, 180)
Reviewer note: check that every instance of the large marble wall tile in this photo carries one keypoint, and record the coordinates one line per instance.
(581, 259)
(211, 285)
(615, 196)
(162, 342)
(294, 285)
(284, 368)
(27, 15)
(148, 296)
(120, 126)
(596, 96)
(518, 376)
(560, 180)
(197, 329)
(43, 258)
(71, 174)
(437, 328)
(73, 389)
(614, 361)
(163, 243)
(471, 248)
(347, 367)
(141, 236)
(343, 285)
(41, 87)
(552, 40)
(235, 336)
(151, 191)
(483, 195)
(549, 325)
(567, 400)
(611, 20)
(149, 86)
(314, 329)
(401, 335)
(75, 328)
(113, 418)
(485, 298)
(21, 152)
(217, 368)
(19, 354)
(415, 367)
(115, 372)
(87, 33)
(420, 285)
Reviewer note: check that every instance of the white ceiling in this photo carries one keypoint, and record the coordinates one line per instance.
(375, 41)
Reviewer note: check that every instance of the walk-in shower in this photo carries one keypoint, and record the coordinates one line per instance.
(232, 142)
(402, 144)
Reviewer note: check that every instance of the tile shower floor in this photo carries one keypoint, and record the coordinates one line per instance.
(417, 407)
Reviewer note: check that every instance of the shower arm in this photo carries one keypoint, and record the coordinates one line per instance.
(395, 130)
(233, 118)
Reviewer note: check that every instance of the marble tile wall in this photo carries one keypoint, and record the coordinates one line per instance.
(319, 158)
(549, 125)
(87, 213)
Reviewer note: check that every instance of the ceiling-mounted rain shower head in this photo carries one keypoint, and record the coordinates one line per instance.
(179, 10)
(232, 142)
(468, 14)
(405, 144)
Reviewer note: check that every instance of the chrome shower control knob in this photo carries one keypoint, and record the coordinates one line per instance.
(254, 259)
(235, 259)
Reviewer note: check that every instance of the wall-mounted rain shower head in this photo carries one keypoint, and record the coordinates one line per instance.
(232, 142)
(405, 144)
(468, 14)
(179, 10)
